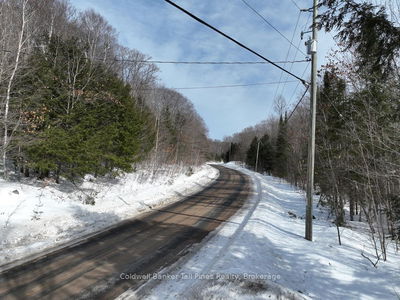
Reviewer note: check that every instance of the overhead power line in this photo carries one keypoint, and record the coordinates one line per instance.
(223, 86)
(287, 57)
(295, 54)
(295, 4)
(211, 62)
(307, 66)
(272, 26)
(194, 62)
(298, 84)
(229, 86)
(233, 40)
(298, 102)
(305, 70)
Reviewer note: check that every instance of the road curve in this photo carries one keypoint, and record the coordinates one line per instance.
(144, 245)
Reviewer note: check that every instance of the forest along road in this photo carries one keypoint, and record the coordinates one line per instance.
(98, 267)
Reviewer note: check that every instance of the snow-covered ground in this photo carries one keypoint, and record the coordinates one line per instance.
(261, 254)
(35, 215)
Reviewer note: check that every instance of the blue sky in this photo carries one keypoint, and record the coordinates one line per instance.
(164, 33)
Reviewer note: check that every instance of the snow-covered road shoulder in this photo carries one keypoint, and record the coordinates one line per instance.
(35, 216)
(261, 254)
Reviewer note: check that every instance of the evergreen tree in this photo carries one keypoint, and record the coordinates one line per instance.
(366, 28)
(231, 154)
(331, 148)
(281, 150)
(251, 154)
(90, 125)
(266, 154)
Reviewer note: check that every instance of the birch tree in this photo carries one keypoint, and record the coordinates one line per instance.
(17, 15)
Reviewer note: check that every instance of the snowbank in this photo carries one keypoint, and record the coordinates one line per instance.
(261, 254)
(35, 216)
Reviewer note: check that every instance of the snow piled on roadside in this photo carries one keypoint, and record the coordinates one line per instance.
(35, 216)
(261, 254)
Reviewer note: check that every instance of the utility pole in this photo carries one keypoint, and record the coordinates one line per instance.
(313, 107)
(258, 149)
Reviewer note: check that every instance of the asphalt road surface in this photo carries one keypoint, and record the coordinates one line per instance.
(141, 246)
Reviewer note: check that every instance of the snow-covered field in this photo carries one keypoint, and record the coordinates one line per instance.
(35, 215)
(261, 254)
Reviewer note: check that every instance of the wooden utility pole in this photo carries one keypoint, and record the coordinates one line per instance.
(313, 106)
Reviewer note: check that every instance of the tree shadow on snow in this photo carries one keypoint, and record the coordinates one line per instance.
(299, 268)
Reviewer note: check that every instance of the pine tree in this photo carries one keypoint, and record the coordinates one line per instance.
(232, 153)
(266, 154)
(252, 153)
(366, 28)
(331, 151)
(281, 150)
(92, 126)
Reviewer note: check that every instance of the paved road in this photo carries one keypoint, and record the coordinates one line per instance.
(140, 246)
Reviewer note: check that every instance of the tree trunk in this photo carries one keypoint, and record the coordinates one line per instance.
(9, 87)
(351, 209)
